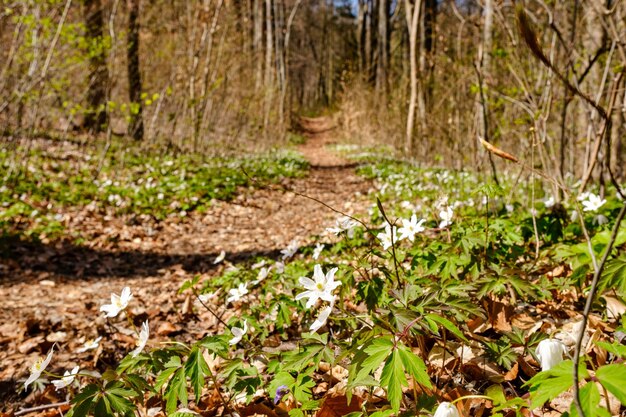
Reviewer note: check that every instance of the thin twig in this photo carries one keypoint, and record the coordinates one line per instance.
(23, 411)
(587, 310)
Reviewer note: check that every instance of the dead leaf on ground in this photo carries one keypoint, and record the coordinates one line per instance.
(338, 406)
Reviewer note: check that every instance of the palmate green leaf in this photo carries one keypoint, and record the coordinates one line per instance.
(302, 388)
(176, 391)
(196, 369)
(281, 378)
(215, 344)
(393, 379)
(414, 366)
(615, 348)
(119, 402)
(377, 352)
(614, 275)
(613, 378)
(548, 385)
(590, 402)
(84, 401)
(297, 361)
(163, 377)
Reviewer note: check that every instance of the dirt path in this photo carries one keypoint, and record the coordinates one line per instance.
(52, 293)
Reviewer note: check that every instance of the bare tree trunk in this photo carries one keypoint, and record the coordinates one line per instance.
(269, 56)
(135, 127)
(484, 62)
(412, 18)
(382, 62)
(96, 116)
(360, 34)
(280, 55)
(430, 17)
(257, 36)
(369, 40)
(290, 20)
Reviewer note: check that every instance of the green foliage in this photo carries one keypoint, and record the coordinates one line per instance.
(151, 185)
(548, 385)
(393, 306)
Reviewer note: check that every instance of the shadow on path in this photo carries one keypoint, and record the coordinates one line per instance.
(77, 262)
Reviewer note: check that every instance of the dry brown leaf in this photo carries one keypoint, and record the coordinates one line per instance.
(338, 406)
(166, 328)
(499, 315)
(260, 409)
(512, 373)
(614, 307)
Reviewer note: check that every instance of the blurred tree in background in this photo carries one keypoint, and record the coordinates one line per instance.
(429, 78)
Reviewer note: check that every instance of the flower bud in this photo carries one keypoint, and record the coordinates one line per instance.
(446, 409)
(550, 353)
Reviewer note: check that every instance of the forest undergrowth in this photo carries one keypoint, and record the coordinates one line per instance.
(446, 294)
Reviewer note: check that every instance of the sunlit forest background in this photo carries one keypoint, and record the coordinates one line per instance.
(441, 180)
(427, 77)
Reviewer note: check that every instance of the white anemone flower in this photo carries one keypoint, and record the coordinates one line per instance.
(89, 345)
(263, 273)
(549, 202)
(390, 234)
(235, 294)
(593, 203)
(238, 333)
(321, 319)
(144, 334)
(37, 368)
(67, 379)
(219, 258)
(321, 287)
(550, 353)
(118, 303)
(446, 217)
(318, 250)
(600, 219)
(446, 409)
(343, 224)
(411, 227)
(290, 250)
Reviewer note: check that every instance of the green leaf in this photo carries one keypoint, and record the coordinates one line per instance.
(377, 352)
(176, 391)
(302, 388)
(614, 348)
(299, 360)
(448, 325)
(547, 385)
(382, 413)
(118, 402)
(163, 377)
(590, 402)
(88, 392)
(414, 366)
(281, 378)
(393, 379)
(196, 369)
(215, 344)
(614, 275)
(613, 378)
(85, 400)
(496, 393)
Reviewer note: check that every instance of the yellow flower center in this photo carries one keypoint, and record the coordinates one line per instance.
(37, 365)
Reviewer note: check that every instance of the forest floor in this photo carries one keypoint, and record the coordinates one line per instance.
(52, 292)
